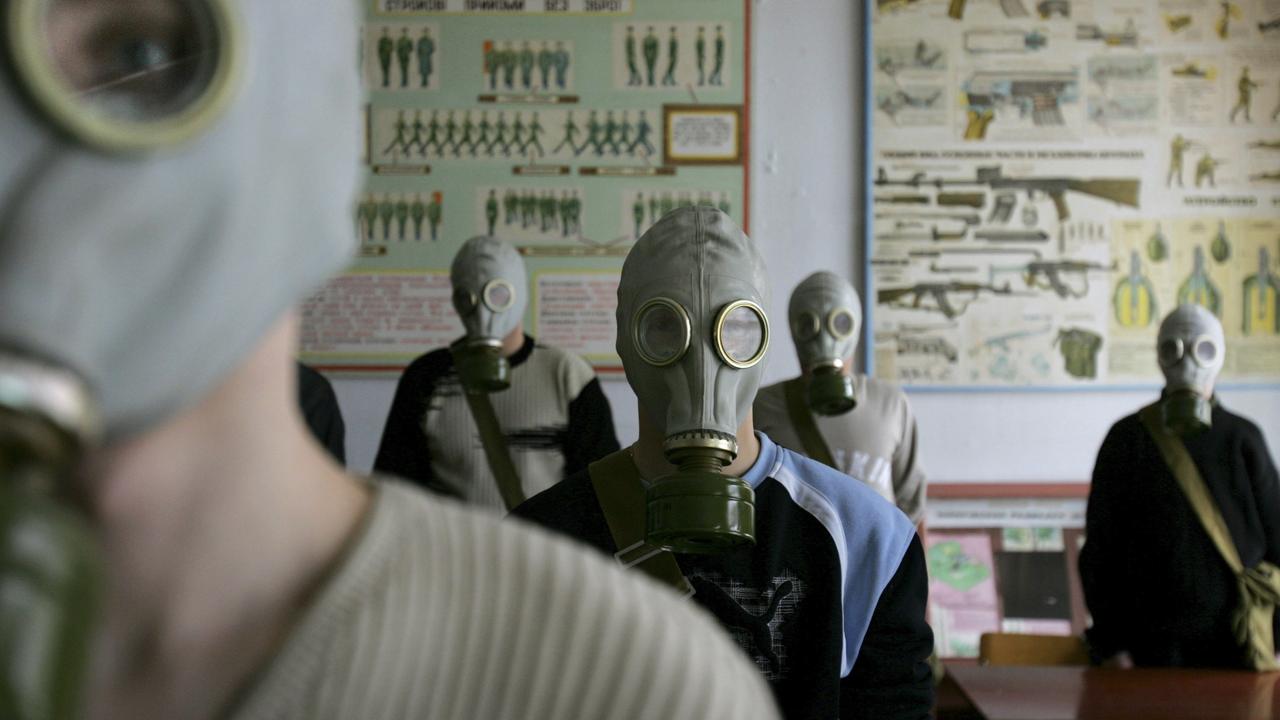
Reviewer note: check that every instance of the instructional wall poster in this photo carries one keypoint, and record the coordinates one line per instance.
(566, 127)
(1051, 177)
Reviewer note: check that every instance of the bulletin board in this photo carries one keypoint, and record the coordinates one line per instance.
(1049, 178)
(566, 127)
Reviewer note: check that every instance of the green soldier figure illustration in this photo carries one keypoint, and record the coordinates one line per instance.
(637, 213)
(433, 135)
(610, 133)
(562, 65)
(386, 47)
(1198, 288)
(417, 212)
(450, 129)
(650, 49)
(1220, 248)
(404, 50)
(528, 209)
(426, 50)
(570, 135)
(723, 205)
(1079, 348)
(719, 61)
(491, 210)
(366, 215)
(624, 133)
(593, 132)
(700, 53)
(387, 211)
(1262, 299)
(546, 61)
(482, 140)
(435, 210)
(517, 135)
(653, 208)
(402, 216)
(402, 132)
(1244, 95)
(510, 207)
(526, 66)
(468, 132)
(1177, 148)
(535, 133)
(547, 211)
(673, 53)
(492, 63)
(666, 205)
(499, 135)
(633, 73)
(642, 137)
(564, 214)
(1205, 168)
(417, 139)
(509, 60)
(575, 214)
(1134, 300)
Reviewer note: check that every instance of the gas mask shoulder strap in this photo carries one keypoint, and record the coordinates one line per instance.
(621, 495)
(802, 420)
(1259, 585)
(495, 448)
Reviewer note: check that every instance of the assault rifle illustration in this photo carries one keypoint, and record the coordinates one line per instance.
(940, 293)
(1266, 176)
(1122, 191)
(1011, 8)
(1266, 144)
(1128, 37)
(1047, 275)
(1038, 93)
(1268, 26)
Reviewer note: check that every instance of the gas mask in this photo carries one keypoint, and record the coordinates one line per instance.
(1191, 350)
(160, 209)
(692, 334)
(825, 315)
(490, 291)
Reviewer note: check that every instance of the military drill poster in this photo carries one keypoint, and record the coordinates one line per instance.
(1051, 177)
(566, 127)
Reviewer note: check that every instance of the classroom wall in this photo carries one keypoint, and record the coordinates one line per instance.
(806, 205)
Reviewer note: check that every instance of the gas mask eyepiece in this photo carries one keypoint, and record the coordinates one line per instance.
(825, 316)
(1190, 350)
(126, 77)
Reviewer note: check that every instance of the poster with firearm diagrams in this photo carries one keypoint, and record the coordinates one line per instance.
(1051, 177)
(565, 127)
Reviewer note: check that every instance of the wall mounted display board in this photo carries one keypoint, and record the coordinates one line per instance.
(566, 127)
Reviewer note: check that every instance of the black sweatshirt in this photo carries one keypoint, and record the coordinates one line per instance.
(829, 602)
(1155, 584)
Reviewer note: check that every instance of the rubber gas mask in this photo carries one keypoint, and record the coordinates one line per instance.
(490, 291)
(1191, 350)
(692, 333)
(825, 315)
(160, 209)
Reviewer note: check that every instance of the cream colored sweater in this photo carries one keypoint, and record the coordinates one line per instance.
(438, 611)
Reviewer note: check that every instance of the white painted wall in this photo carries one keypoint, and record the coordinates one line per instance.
(806, 201)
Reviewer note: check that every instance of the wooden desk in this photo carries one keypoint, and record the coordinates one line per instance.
(1067, 693)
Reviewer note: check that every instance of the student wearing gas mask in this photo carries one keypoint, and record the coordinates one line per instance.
(496, 409)
(819, 580)
(172, 543)
(1183, 524)
(856, 424)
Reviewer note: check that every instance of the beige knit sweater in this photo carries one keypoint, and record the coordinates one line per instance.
(438, 611)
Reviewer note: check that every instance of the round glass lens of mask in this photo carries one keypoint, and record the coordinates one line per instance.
(464, 301)
(126, 74)
(499, 295)
(840, 323)
(1169, 351)
(1206, 352)
(741, 334)
(805, 326)
(662, 331)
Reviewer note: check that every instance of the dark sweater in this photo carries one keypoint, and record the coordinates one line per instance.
(1155, 584)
